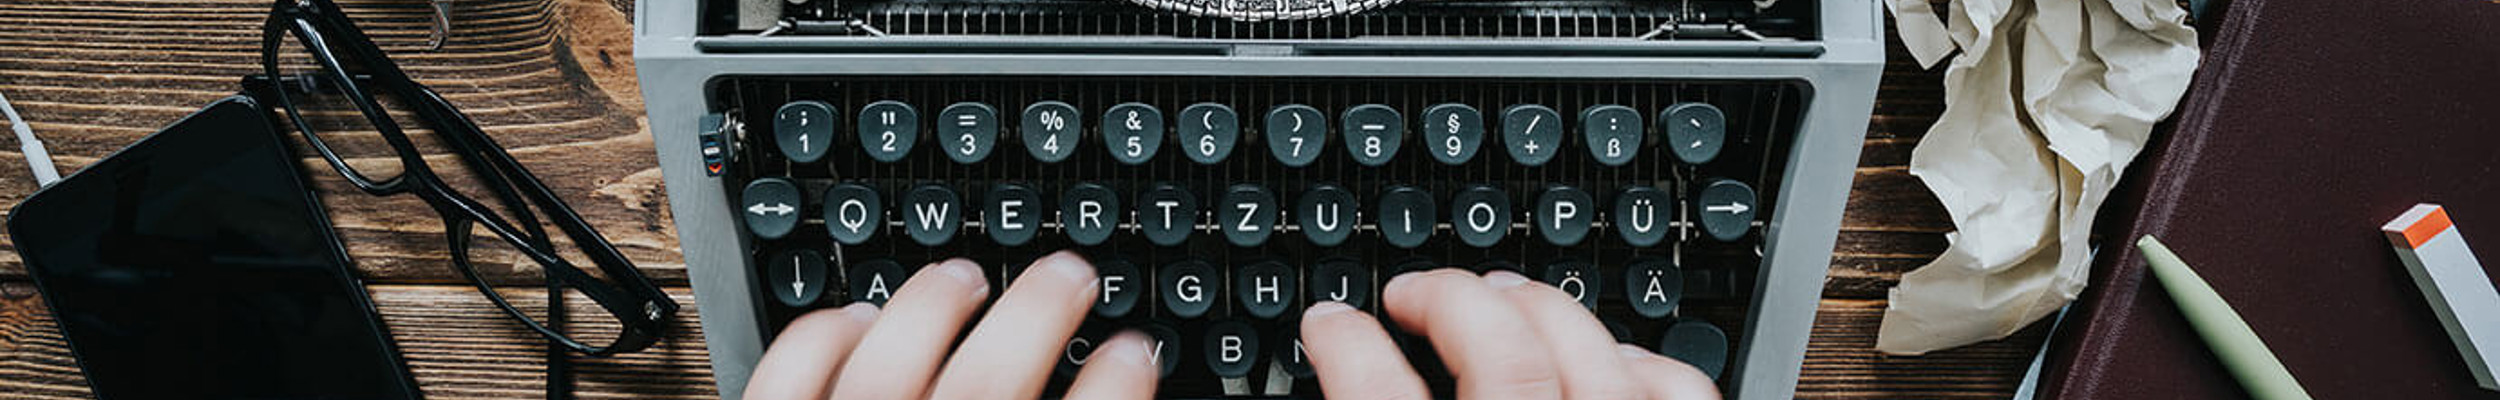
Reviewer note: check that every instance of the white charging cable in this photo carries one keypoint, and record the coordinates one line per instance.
(36, 158)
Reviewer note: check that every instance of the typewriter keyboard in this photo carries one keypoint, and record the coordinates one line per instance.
(1216, 209)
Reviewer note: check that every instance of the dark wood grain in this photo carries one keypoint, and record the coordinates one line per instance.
(553, 81)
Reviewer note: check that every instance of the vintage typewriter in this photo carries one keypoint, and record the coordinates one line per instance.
(1680, 165)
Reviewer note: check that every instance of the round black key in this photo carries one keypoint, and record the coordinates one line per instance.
(1578, 279)
(1289, 353)
(874, 281)
(1343, 281)
(1326, 214)
(1613, 133)
(1695, 130)
(1089, 212)
(1453, 132)
(932, 213)
(1372, 133)
(1119, 284)
(804, 129)
(1164, 344)
(1247, 215)
(970, 131)
(1532, 132)
(1012, 213)
(1653, 287)
(1208, 131)
(1133, 131)
(1406, 216)
(1051, 130)
(1079, 349)
(1698, 343)
(1266, 289)
(1167, 213)
(1564, 214)
(1232, 348)
(1481, 214)
(770, 207)
(1642, 213)
(887, 129)
(797, 277)
(1188, 288)
(1727, 208)
(853, 213)
(1296, 134)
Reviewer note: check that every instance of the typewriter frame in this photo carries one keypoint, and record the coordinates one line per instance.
(1840, 70)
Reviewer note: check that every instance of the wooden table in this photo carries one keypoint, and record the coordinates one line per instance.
(553, 80)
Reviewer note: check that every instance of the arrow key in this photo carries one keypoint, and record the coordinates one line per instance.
(770, 207)
(1727, 209)
(798, 277)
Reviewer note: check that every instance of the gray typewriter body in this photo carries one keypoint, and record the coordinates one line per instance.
(701, 67)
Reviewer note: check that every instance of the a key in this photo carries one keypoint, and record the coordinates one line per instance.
(1089, 212)
(1575, 278)
(1266, 289)
(1208, 131)
(1638, 215)
(1051, 130)
(1698, 343)
(1247, 215)
(853, 213)
(1532, 133)
(770, 207)
(1296, 134)
(1326, 214)
(1119, 284)
(1012, 214)
(1343, 281)
(1696, 131)
(1188, 288)
(1613, 133)
(1406, 216)
(1453, 132)
(969, 131)
(1481, 214)
(932, 214)
(804, 129)
(1563, 215)
(797, 277)
(1133, 132)
(1727, 209)
(874, 281)
(1232, 348)
(888, 129)
(1653, 287)
(1167, 213)
(1373, 133)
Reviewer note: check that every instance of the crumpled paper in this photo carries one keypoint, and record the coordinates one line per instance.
(2045, 107)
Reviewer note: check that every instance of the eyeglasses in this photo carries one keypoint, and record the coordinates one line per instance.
(346, 67)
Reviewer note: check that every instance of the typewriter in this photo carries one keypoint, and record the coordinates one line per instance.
(1679, 166)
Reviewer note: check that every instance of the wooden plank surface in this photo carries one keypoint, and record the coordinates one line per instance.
(553, 81)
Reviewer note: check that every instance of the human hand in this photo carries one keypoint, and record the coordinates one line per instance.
(860, 352)
(1502, 335)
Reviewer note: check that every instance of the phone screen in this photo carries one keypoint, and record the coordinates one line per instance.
(196, 264)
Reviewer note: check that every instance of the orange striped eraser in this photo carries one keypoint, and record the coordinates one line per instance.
(2417, 225)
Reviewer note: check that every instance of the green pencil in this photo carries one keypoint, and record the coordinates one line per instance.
(2223, 330)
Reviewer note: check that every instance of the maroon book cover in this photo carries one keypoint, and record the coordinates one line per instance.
(2310, 123)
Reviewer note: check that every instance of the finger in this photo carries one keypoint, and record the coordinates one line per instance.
(1665, 378)
(1122, 369)
(1582, 349)
(801, 362)
(1354, 358)
(1011, 352)
(1484, 339)
(901, 352)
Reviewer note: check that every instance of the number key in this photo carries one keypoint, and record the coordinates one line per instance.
(1133, 131)
(1372, 133)
(1453, 132)
(1050, 130)
(970, 130)
(1208, 131)
(887, 129)
(1296, 134)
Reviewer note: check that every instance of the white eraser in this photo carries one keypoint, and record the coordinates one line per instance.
(2454, 283)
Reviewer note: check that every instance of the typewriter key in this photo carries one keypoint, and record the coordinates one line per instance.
(804, 129)
(887, 129)
(1613, 132)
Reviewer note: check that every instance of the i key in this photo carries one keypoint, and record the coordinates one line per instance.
(1406, 216)
(935, 212)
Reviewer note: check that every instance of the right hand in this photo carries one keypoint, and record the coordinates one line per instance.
(1502, 335)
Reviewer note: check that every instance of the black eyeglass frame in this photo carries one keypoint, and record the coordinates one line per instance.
(637, 304)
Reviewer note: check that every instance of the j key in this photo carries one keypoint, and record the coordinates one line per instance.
(933, 214)
(1406, 216)
(1695, 130)
(1208, 132)
(1163, 344)
(1247, 215)
(1167, 213)
(1453, 132)
(1089, 212)
(874, 281)
(1296, 134)
(804, 129)
(798, 277)
(1120, 284)
(1232, 348)
(1012, 213)
(1727, 209)
(1188, 288)
(1481, 214)
(1637, 216)
(1532, 132)
(1266, 289)
(853, 213)
(887, 129)
(1613, 132)
(1698, 343)
(1342, 281)
(1373, 133)
(970, 131)
(1051, 130)
(1133, 131)
(1326, 214)
(1653, 287)
(1578, 279)
(1564, 214)
(770, 207)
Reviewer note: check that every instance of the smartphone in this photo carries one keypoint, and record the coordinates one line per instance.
(197, 264)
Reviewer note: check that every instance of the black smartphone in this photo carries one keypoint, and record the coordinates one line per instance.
(197, 264)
